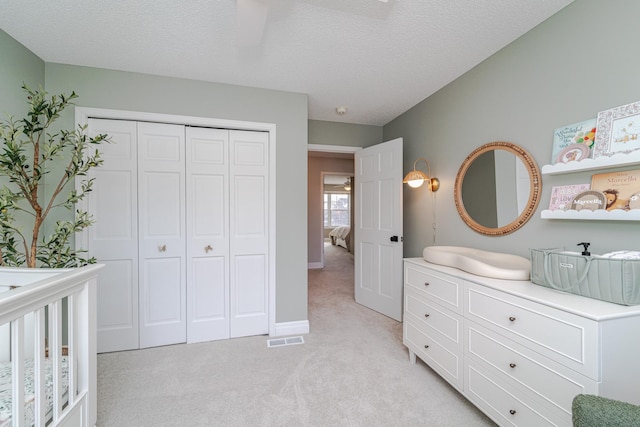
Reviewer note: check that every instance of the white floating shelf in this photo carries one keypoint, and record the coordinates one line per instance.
(593, 164)
(599, 214)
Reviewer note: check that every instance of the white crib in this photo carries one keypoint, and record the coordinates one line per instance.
(40, 385)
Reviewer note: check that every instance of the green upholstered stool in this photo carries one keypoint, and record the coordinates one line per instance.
(596, 411)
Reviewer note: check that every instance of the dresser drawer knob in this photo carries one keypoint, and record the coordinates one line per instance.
(426, 346)
(512, 365)
(426, 283)
(512, 411)
(512, 319)
(426, 315)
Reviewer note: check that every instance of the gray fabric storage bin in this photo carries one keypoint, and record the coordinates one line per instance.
(606, 279)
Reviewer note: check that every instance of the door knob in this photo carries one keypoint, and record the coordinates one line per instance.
(208, 248)
(394, 238)
(162, 248)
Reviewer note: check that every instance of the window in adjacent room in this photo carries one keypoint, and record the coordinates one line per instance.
(336, 209)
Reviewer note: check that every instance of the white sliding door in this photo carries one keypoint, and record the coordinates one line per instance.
(207, 234)
(183, 225)
(161, 192)
(113, 239)
(249, 244)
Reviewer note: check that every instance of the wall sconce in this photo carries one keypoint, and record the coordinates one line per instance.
(416, 178)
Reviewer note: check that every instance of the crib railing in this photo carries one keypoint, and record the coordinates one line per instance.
(37, 301)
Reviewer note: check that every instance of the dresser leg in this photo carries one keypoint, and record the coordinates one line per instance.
(412, 357)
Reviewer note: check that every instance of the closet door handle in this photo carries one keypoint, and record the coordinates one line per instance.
(512, 365)
(162, 248)
(208, 248)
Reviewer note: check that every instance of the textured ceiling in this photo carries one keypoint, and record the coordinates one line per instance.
(376, 58)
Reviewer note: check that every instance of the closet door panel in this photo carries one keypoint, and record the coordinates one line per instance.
(251, 300)
(250, 223)
(160, 198)
(161, 184)
(161, 293)
(249, 241)
(207, 234)
(113, 239)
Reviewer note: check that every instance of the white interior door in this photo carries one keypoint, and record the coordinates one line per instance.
(249, 232)
(161, 179)
(207, 234)
(378, 228)
(113, 239)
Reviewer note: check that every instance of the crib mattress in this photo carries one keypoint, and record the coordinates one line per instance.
(5, 390)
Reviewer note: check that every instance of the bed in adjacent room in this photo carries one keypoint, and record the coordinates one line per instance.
(341, 236)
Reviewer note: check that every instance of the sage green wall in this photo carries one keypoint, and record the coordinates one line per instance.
(18, 65)
(580, 61)
(100, 88)
(345, 134)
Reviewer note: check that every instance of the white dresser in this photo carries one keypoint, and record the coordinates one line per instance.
(518, 351)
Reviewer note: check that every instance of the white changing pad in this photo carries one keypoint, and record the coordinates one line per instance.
(5, 390)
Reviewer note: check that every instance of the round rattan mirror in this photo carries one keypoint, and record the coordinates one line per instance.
(497, 188)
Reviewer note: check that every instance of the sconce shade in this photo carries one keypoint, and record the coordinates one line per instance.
(416, 178)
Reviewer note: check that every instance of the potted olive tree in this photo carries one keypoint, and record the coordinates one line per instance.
(32, 153)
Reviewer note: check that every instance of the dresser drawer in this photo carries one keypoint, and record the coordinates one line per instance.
(555, 384)
(501, 404)
(439, 288)
(432, 318)
(429, 347)
(563, 337)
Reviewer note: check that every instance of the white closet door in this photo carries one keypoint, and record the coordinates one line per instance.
(249, 243)
(113, 239)
(161, 180)
(207, 234)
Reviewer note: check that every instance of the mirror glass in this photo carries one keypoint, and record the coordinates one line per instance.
(497, 188)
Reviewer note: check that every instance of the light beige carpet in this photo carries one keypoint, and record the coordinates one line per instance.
(352, 370)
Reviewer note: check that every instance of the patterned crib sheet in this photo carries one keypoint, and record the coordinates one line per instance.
(29, 398)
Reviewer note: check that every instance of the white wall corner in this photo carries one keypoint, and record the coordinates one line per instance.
(291, 328)
(314, 265)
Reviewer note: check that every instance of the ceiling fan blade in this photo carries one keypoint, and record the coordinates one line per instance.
(251, 17)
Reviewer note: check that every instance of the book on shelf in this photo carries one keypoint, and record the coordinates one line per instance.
(573, 142)
(621, 189)
(562, 196)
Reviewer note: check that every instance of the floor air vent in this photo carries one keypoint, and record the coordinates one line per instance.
(280, 342)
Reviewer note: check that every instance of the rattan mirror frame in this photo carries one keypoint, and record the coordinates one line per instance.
(535, 189)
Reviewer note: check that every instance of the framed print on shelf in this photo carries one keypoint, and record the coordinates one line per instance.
(573, 142)
(621, 189)
(590, 200)
(562, 196)
(618, 131)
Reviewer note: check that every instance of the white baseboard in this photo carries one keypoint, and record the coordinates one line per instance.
(313, 265)
(291, 328)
